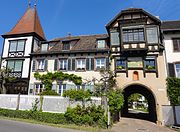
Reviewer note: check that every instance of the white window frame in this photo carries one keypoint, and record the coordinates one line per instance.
(80, 64)
(40, 64)
(101, 43)
(38, 88)
(46, 45)
(64, 63)
(62, 88)
(177, 69)
(100, 65)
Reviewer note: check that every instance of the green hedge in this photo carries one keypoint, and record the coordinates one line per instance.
(173, 90)
(89, 116)
(55, 118)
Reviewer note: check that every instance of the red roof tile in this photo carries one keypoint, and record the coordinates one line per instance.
(29, 23)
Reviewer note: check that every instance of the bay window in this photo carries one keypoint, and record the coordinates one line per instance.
(152, 35)
(133, 35)
(114, 38)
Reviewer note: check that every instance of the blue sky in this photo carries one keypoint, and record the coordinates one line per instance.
(80, 17)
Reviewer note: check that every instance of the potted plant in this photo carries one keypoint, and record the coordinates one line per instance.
(149, 67)
(119, 67)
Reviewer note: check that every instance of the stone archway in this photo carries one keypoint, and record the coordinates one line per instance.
(143, 90)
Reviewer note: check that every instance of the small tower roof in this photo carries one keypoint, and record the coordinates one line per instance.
(29, 23)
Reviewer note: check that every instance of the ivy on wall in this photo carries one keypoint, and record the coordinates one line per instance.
(47, 79)
(173, 90)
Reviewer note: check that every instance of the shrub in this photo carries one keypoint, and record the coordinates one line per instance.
(173, 90)
(91, 116)
(116, 101)
(78, 95)
(49, 92)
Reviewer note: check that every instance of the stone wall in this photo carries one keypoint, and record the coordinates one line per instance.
(54, 104)
(171, 115)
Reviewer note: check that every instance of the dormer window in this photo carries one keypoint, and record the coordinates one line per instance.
(44, 47)
(101, 43)
(133, 35)
(66, 46)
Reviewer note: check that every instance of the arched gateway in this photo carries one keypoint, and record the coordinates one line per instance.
(147, 93)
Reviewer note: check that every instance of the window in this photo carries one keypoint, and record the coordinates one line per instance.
(15, 65)
(176, 45)
(152, 35)
(38, 88)
(120, 64)
(133, 35)
(44, 47)
(66, 46)
(63, 64)
(40, 64)
(115, 38)
(150, 63)
(81, 64)
(100, 63)
(62, 88)
(177, 66)
(16, 45)
(101, 43)
(135, 62)
(36, 44)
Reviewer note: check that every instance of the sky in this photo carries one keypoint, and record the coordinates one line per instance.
(80, 17)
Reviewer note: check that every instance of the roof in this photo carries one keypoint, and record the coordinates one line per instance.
(81, 44)
(170, 25)
(29, 23)
(131, 10)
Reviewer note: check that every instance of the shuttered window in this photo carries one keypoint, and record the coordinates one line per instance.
(73, 64)
(87, 64)
(176, 45)
(55, 64)
(171, 70)
(92, 63)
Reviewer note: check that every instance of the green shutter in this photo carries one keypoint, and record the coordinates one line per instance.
(92, 63)
(46, 65)
(69, 64)
(55, 64)
(34, 65)
(87, 64)
(107, 63)
(73, 64)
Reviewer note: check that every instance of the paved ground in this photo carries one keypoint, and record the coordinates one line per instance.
(15, 126)
(125, 125)
(136, 125)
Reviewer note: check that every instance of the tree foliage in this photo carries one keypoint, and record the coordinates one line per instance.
(173, 90)
(116, 101)
(5, 78)
(77, 95)
(47, 79)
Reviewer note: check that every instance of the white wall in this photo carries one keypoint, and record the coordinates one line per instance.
(28, 45)
(170, 55)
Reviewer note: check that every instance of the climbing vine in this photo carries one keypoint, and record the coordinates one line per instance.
(47, 79)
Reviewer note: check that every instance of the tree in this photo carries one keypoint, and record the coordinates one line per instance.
(107, 88)
(4, 78)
